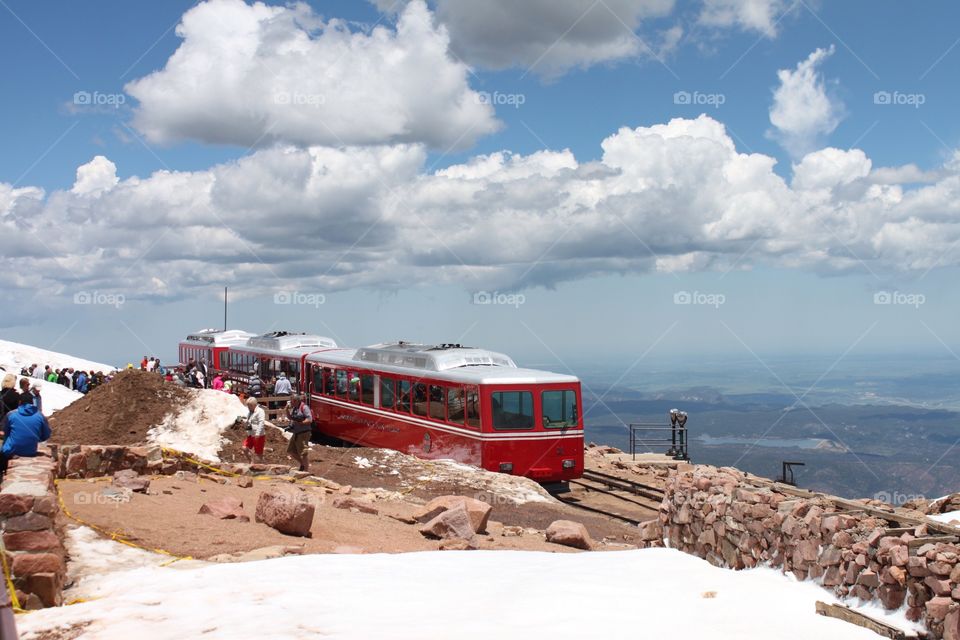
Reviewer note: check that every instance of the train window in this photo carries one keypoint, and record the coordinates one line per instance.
(455, 405)
(403, 401)
(420, 399)
(317, 379)
(438, 410)
(559, 409)
(473, 407)
(353, 386)
(366, 388)
(387, 392)
(341, 383)
(512, 409)
(329, 384)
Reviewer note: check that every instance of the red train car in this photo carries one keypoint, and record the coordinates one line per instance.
(270, 354)
(209, 345)
(447, 401)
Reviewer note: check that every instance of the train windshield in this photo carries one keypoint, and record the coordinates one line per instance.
(559, 408)
(512, 409)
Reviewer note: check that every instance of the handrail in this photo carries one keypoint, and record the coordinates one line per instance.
(677, 438)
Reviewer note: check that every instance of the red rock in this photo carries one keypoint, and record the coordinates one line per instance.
(570, 534)
(899, 555)
(244, 482)
(287, 512)
(939, 587)
(842, 539)
(226, 508)
(130, 479)
(25, 564)
(891, 596)
(31, 541)
(457, 544)
(938, 607)
(478, 510)
(14, 505)
(347, 502)
(869, 579)
(28, 522)
(940, 568)
(874, 538)
(47, 586)
(917, 566)
(450, 524)
(831, 577)
(914, 614)
(651, 530)
(898, 575)
(951, 625)
(831, 556)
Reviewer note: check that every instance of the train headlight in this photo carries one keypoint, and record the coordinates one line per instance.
(569, 464)
(506, 467)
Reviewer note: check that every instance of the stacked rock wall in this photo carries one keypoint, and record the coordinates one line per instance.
(727, 519)
(35, 555)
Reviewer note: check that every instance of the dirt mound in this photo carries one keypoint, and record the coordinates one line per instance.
(118, 412)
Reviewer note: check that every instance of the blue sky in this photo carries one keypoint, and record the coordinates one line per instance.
(603, 281)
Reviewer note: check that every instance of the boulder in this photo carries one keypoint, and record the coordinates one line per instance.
(244, 482)
(130, 479)
(226, 508)
(477, 510)
(450, 524)
(25, 564)
(938, 607)
(31, 541)
(652, 530)
(14, 505)
(457, 544)
(570, 534)
(288, 512)
(347, 502)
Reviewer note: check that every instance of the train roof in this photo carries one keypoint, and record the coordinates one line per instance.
(219, 337)
(453, 363)
(287, 343)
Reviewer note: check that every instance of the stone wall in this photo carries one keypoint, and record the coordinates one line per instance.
(93, 461)
(31, 535)
(723, 517)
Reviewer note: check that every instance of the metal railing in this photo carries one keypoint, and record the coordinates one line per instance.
(672, 435)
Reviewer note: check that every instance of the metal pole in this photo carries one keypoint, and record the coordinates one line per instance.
(224, 308)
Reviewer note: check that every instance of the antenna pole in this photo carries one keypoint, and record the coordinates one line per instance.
(224, 308)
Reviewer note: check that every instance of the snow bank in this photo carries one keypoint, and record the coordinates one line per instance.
(951, 517)
(198, 427)
(14, 356)
(652, 593)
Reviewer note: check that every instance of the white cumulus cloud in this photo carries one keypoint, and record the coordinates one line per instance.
(254, 75)
(802, 112)
(666, 197)
(760, 16)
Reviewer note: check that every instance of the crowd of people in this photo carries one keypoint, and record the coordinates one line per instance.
(23, 425)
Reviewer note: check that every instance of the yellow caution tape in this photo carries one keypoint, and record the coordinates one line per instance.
(14, 601)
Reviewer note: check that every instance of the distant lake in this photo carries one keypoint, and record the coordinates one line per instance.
(783, 443)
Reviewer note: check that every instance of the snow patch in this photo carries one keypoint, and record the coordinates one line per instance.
(612, 596)
(363, 463)
(198, 428)
(950, 517)
(14, 356)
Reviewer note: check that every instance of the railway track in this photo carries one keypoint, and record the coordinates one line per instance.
(608, 495)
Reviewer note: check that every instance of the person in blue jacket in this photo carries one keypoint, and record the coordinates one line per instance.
(26, 428)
